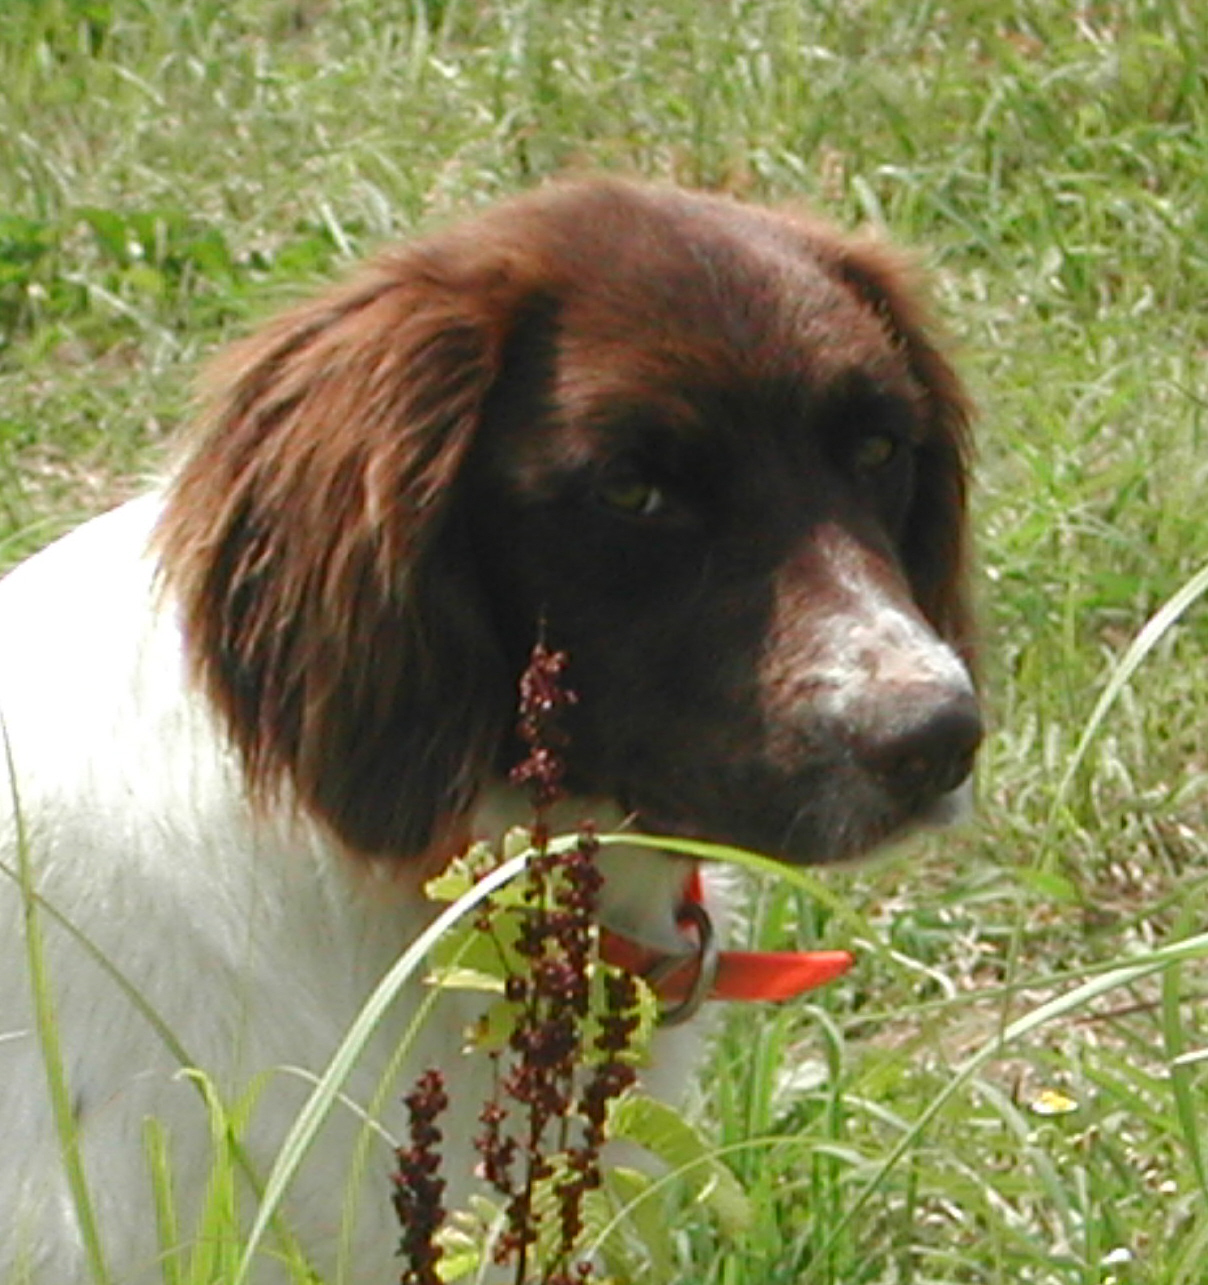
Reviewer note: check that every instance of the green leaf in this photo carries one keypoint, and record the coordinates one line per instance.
(645, 1220)
(461, 1253)
(467, 979)
(663, 1131)
(493, 1030)
(462, 873)
(1049, 884)
(111, 230)
(649, 1009)
(491, 953)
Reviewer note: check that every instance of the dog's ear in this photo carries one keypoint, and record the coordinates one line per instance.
(330, 607)
(935, 542)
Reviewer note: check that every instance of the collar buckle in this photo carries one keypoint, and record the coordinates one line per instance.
(706, 957)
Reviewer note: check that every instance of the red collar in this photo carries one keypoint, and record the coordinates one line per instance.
(737, 974)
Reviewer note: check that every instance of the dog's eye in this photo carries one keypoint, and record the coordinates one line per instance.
(875, 451)
(633, 496)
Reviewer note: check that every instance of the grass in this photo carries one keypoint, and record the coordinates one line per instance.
(171, 170)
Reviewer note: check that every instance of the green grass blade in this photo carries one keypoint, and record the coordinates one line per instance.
(1193, 948)
(321, 1100)
(48, 1038)
(1150, 634)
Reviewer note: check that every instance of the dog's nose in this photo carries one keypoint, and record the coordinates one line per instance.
(928, 747)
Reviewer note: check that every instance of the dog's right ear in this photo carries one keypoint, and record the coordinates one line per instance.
(330, 608)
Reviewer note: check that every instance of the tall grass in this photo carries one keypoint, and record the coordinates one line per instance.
(169, 169)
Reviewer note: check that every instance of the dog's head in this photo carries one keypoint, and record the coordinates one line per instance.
(705, 448)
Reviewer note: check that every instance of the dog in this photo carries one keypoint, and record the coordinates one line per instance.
(708, 449)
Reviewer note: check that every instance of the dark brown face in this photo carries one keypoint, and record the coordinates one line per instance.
(727, 521)
(707, 449)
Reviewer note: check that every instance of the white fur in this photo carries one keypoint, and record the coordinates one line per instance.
(872, 645)
(255, 939)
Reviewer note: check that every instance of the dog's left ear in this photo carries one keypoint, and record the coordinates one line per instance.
(330, 608)
(935, 542)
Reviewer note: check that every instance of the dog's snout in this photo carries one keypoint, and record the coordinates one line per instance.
(928, 748)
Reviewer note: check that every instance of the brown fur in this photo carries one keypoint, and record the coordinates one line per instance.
(359, 535)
